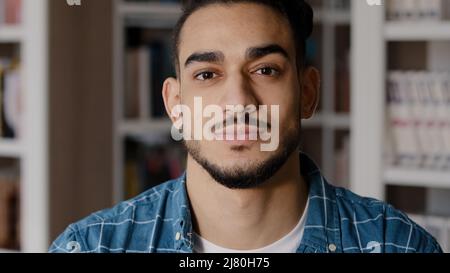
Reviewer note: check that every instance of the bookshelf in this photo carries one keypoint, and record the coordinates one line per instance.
(378, 43)
(332, 122)
(144, 16)
(30, 149)
(157, 16)
(369, 102)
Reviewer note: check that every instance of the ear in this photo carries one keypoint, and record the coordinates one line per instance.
(310, 92)
(171, 96)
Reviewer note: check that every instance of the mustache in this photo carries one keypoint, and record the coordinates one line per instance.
(232, 120)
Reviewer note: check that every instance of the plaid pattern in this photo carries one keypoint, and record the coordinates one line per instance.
(337, 220)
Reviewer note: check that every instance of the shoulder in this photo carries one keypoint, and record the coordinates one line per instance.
(108, 227)
(376, 226)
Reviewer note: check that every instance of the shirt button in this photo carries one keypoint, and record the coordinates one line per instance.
(332, 247)
(178, 236)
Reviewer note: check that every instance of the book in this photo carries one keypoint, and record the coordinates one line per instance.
(415, 10)
(149, 163)
(402, 132)
(12, 103)
(13, 11)
(419, 119)
(9, 205)
(342, 70)
(145, 80)
(10, 109)
(148, 64)
(131, 91)
(342, 164)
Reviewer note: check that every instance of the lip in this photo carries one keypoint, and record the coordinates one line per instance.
(238, 135)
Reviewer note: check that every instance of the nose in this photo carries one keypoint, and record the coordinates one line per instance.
(238, 90)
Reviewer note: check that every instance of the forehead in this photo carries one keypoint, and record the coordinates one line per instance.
(234, 27)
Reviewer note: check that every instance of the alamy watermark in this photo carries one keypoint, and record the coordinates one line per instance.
(374, 2)
(235, 122)
(73, 2)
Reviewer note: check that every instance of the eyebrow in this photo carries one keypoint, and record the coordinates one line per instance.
(205, 57)
(259, 52)
(251, 54)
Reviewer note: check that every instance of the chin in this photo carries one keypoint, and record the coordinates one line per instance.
(243, 152)
(239, 159)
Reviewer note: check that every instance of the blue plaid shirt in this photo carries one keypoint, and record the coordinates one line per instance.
(337, 220)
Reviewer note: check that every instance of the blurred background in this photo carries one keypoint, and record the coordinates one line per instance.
(83, 127)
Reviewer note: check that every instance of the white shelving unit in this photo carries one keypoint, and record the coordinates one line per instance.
(373, 38)
(371, 33)
(32, 148)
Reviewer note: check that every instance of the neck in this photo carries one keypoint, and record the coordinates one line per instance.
(251, 218)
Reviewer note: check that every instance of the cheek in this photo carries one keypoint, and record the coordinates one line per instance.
(289, 116)
(190, 91)
(291, 103)
(288, 104)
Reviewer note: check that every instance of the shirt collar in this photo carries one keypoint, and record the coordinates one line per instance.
(322, 229)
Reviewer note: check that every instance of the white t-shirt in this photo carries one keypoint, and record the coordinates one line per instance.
(287, 244)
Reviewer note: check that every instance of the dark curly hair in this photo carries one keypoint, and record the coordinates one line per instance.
(298, 12)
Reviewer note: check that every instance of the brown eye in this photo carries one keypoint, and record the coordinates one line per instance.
(267, 71)
(204, 76)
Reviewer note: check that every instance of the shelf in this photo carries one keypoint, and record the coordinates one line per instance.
(8, 251)
(10, 34)
(140, 128)
(417, 31)
(10, 148)
(417, 178)
(336, 121)
(150, 9)
(150, 15)
(171, 11)
(337, 17)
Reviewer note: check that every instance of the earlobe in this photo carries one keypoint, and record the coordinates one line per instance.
(310, 92)
(171, 96)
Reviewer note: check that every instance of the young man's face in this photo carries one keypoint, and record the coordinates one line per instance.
(241, 54)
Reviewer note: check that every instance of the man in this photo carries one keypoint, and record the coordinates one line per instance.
(236, 196)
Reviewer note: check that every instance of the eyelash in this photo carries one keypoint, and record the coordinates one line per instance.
(203, 73)
(273, 69)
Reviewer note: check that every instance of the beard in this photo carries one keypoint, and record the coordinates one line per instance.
(252, 175)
